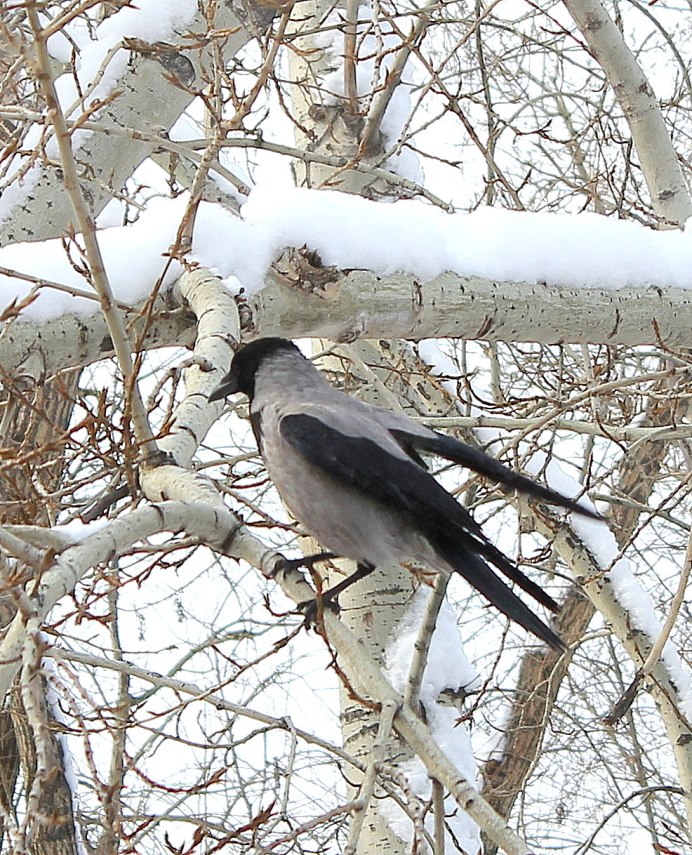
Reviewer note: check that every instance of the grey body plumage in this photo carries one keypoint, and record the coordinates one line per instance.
(351, 474)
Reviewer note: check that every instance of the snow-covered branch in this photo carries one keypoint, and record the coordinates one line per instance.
(367, 305)
(627, 610)
(141, 69)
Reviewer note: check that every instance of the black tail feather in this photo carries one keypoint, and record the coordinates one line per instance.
(511, 571)
(480, 462)
(465, 561)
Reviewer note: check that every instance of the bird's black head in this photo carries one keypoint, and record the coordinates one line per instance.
(241, 377)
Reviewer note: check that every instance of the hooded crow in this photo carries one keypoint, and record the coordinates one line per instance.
(352, 475)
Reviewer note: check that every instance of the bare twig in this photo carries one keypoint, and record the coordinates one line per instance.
(423, 640)
(85, 224)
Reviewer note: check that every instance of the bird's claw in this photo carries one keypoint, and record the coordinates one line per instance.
(311, 609)
(286, 565)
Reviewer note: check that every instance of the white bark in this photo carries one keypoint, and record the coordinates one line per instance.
(70, 341)
(659, 162)
(218, 330)
(362, 304)
(148, 103)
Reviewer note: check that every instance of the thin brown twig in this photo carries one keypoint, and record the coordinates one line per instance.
(85, 224)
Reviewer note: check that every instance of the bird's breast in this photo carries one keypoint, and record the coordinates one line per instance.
(340, 517)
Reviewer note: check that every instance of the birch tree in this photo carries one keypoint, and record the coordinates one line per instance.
(469, 212)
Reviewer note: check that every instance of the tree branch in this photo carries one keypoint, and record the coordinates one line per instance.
(362, 304)
(659, 162)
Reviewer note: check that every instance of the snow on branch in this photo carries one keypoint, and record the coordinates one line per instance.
(581, 251)
(616, 593)
(138, 67)
(592, 555)
(380, 270)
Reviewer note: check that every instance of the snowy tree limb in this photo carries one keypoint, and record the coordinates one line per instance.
(363, 304)
(542, 673)
(153, 90)
(636, 642)
(71, 341)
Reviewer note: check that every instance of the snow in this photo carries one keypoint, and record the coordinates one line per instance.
(352, 232)
(407, 236)
(447, 667)
(77, 531)
(640, 843)
(149, 21)
(442, 670)
(99, 62)
(132, 256)
(602, 545)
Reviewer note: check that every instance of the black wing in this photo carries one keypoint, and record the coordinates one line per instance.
(476, 460)
(404, 486)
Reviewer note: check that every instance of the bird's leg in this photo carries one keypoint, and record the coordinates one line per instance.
(362, 570)
(328, 597)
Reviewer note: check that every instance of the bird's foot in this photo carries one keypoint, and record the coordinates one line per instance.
(314, 608)
(328, 598)
(285, 565)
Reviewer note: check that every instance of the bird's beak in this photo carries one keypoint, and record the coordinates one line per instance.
(228, 386)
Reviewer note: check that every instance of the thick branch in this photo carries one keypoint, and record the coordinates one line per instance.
(659, 162)
(363, 304)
